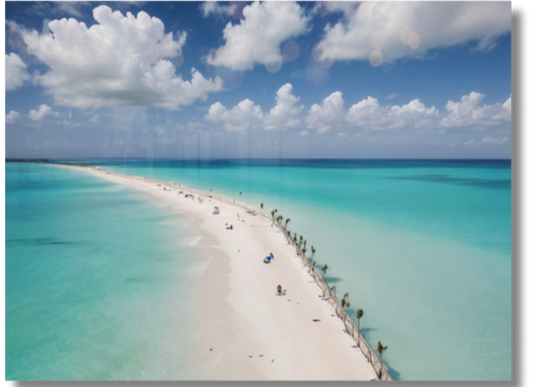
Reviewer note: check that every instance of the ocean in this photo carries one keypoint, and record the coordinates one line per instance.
(90, 296)
(422, 246)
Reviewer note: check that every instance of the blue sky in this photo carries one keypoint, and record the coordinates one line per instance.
(326, 80)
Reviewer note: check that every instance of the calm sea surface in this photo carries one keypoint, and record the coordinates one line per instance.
(95, 278)
(423, 247)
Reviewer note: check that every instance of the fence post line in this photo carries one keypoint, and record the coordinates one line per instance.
(381, 372)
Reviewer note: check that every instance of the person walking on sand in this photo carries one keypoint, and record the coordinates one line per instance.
(279, 290)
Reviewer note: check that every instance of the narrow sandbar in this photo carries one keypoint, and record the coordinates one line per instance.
(249, 332)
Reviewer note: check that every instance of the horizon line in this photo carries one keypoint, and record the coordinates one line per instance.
(247, 158)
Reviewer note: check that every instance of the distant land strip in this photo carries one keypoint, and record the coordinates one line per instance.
(38, 161)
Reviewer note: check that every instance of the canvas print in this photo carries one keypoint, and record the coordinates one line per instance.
(258, 191)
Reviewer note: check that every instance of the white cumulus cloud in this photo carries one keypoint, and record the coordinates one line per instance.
(119, 61)
(368, 114)
(16, 73)
(412, 115)
(44, 111)
(330, 116)
(247, 115)
(258, 36)
(213, 7)
(286, 113)
(12, 117)
(393, 30)
(469, 113)
(327, 116)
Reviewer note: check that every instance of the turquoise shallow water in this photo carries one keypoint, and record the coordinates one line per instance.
(95, 280)
(424, 247)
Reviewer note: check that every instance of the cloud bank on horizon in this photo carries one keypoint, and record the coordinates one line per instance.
(367, 114)
(86, 63)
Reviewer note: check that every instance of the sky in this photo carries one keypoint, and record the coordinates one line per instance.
(258, 80)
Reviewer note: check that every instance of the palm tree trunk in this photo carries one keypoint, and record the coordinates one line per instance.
(381, 365)
(359, 333)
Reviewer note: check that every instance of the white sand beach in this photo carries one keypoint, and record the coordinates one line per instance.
(250, 332)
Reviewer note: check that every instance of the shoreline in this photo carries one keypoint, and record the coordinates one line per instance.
(261, 336)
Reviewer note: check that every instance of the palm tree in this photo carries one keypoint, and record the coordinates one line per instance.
(287, 222)
(273, 213)
(358, 315)
(311, 271)
(261, 210)
(301, 240)
(303, 251)
(381, 349)
(313, 251)
(305, 243)
(344, 302)
(295, 237)
(324, 270)
(279, 219)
